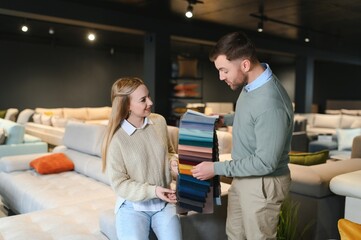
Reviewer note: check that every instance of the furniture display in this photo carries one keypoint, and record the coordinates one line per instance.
(11, 114)
(76, 200)
(16, 142)
(341, 128)
(49, 123)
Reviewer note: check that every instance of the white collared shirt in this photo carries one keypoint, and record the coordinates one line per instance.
(261, 80)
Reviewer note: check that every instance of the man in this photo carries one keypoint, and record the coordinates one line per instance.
(262, 131)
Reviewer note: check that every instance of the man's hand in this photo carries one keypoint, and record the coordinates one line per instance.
(203, 171)
(166, 194)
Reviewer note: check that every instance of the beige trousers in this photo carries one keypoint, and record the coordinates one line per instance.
(254, 205)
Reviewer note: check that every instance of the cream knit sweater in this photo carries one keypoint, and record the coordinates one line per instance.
(136, 164)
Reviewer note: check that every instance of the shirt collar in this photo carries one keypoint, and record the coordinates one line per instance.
(261, 80)
(130, 129)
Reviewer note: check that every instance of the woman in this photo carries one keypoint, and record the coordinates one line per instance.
(138, 156)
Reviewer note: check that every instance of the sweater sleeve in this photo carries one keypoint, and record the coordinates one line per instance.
(271, 132)
(120, 181)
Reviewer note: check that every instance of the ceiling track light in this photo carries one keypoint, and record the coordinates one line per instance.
(91, 37)
(189, 12)
(260, 26)
(24, 26)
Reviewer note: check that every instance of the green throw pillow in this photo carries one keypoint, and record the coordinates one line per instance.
(309, 159)
(2, 113)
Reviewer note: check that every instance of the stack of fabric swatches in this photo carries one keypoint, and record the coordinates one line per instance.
(197, 143)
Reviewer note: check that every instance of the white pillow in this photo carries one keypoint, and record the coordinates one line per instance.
(356, 124)
(345, 137)
(57, 121)
(45, 119)
(36, 118)
(2, 136)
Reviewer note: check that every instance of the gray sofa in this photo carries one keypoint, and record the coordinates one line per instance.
(72, 204)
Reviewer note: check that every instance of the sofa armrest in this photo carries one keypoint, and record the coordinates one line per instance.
(356, 147)
(23, 148)
(18, 162)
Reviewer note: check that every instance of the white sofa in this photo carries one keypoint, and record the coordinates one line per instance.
(69, 205)
(318, 123)
(49, 123)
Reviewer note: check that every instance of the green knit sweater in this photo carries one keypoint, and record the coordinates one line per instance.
(262, 132)
(136, 164)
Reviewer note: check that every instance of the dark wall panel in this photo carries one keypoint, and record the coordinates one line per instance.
(38, 75)
(336, 81)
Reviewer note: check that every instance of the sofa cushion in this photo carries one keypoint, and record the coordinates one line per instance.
(52, 163)
(86, 138)
(347, 121)
(19, 162)
(75, 113)
(349, 112)
(333, 111)
(326, 121)
(345, 137)
(2, 136)
(45, 119)
(98, 113)
(37, 118)
(309, 158)
(57, 121)
(356, 124)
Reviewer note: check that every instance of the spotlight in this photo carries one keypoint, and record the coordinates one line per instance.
(91, 37)
(260, 26)
(189, 12)
(307, 39)
(24, 28)
(51, 31)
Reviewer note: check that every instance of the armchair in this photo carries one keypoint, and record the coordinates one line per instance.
(17, 142)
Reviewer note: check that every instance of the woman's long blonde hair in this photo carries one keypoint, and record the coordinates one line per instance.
(120, 92)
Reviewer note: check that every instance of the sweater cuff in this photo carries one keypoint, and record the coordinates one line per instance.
(219, 168)
(151, 192)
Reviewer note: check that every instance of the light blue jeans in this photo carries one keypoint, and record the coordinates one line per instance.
(135, 225)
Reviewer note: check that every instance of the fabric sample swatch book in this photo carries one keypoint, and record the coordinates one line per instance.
(197, 143)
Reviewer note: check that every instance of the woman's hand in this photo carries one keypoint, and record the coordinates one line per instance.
(166, 194)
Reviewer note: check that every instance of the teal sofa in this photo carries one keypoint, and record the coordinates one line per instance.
(17, 142)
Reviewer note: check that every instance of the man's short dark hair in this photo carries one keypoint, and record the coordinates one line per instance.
(234, 45)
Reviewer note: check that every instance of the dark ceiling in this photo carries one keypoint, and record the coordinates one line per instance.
(330, 24)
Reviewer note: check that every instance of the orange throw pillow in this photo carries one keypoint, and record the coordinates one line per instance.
(349, 230)
(53, 163)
